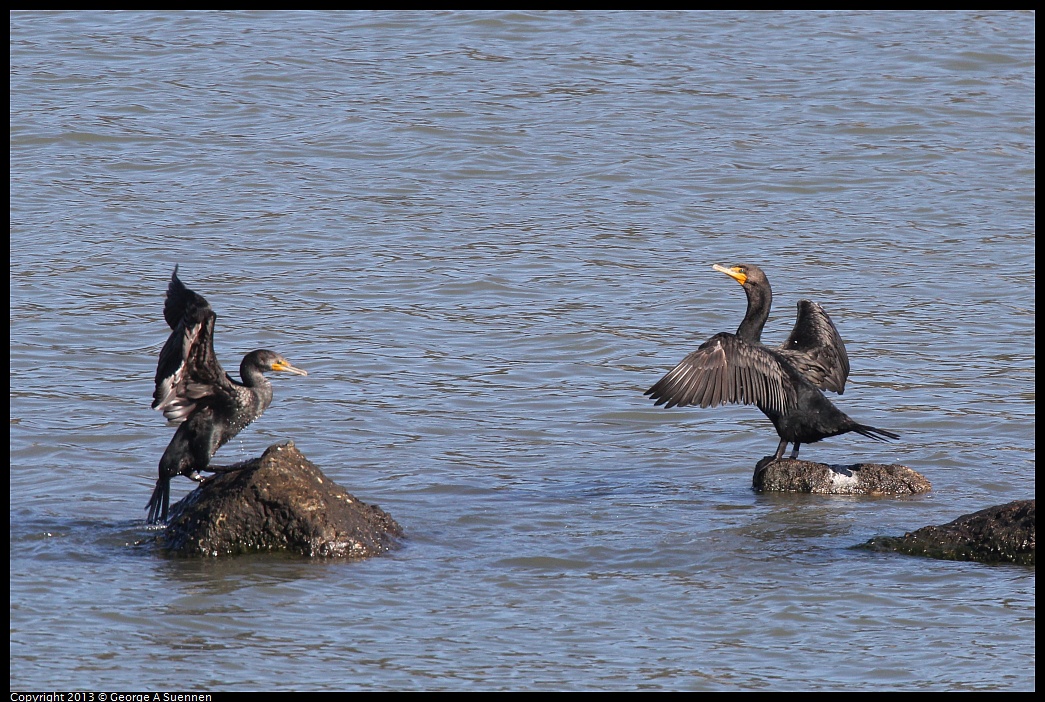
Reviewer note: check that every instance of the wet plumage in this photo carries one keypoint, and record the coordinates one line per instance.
(207, 405)
(784, 382)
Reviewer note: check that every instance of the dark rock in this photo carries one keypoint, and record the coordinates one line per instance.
(1002, 534)
(788, 475)
(278, 502)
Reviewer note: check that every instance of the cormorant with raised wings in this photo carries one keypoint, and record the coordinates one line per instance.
(784, 382)
(207, 405)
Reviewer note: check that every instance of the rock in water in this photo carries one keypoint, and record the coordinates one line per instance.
(278, 502)
(1001, 534)
(790, 475)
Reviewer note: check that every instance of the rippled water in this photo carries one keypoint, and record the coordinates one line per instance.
(485, 235)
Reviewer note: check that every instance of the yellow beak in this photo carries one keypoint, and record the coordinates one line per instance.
(734, 273)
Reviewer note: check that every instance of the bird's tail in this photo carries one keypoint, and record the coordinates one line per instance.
(874, 432)
(159, 502)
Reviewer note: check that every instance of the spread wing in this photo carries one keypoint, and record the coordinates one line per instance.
(187, 374)
(816, 350)
(727, 370)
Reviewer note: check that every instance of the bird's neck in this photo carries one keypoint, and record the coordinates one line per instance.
(759, 301)
(252, 375)
(258, 385)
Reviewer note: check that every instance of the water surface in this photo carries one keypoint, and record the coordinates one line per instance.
(485, 235)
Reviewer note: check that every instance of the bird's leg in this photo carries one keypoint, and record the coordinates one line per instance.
(781, 447)
(194, 475)
(794, 453)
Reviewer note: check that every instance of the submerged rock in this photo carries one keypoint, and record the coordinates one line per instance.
(1001, 534)
(791, 475)
(278, 502)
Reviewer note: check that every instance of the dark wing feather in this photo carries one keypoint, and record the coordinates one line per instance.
(188, 372)
(181, 302)
(816, 350)
(725, 370)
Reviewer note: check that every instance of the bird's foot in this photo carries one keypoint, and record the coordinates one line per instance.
(761, 466)
(235, 467)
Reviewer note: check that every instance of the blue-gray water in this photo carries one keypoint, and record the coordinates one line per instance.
(485, 235)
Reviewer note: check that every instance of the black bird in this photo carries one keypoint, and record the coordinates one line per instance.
(197, 396)
(783, 382)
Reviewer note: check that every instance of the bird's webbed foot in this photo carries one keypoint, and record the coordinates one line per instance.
(235, 467)
(762, 465)
(218, 469)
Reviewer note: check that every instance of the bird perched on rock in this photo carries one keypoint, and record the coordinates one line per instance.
(784, 382)
(207, 405)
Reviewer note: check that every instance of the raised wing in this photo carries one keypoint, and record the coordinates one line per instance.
(726, 370)
(816, 350)
(187, 373)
